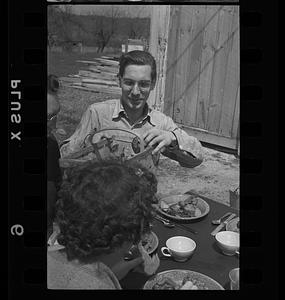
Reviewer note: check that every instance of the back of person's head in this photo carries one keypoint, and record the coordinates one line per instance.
(52, 84)
(52, 91)
(102, 205)
(137, 57)
(53, 105)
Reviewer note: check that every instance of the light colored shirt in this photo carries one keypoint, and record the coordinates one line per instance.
(111, 113)
(63, 274)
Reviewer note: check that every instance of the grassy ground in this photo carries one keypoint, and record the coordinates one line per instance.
(73, 102)
(65, 63)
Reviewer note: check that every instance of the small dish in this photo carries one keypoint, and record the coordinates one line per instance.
(233, 225)
(150, 242)
(228, 241)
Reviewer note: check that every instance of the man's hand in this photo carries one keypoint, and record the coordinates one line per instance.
(159, 139)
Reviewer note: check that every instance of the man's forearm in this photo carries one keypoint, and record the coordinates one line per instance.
(184, 158)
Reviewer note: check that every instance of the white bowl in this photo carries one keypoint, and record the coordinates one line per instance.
(228, 241)
(179, 247)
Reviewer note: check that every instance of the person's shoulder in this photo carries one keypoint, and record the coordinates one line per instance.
(103, 105)
(91, 277)
(157, 112)
(56, 261)
(158, 116)
(60, 272)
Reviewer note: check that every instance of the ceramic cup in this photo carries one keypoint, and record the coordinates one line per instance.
(179, 247)
(234, 279)
(228, 241)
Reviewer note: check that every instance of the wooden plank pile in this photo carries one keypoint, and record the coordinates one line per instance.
(100, 76)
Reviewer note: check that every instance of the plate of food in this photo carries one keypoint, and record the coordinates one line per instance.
(181, 280)
(149, 242)
(183, 207)
(233, 225)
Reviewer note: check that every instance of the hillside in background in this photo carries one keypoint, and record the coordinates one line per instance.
(91, 30)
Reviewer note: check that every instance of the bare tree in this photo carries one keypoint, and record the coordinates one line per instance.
(63, 26)
(104, 27)
(100, 28)
(135, 30)
(60, 18)
(107, 27)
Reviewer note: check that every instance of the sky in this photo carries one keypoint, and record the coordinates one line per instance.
(144, 10)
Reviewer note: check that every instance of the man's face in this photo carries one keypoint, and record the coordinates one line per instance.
(52, 111)
(136, 85)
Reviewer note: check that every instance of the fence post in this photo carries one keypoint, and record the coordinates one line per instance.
(159, 28)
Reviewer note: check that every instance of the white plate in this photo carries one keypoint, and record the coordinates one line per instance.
(202, 205)
(202, 281)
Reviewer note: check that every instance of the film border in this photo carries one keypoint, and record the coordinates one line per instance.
(27, 149)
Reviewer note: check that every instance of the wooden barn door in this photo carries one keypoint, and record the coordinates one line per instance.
(202, 74)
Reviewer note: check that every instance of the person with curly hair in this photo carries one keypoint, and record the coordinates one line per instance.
(103, 209)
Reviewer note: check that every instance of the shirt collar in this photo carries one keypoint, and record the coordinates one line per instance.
(119, 111)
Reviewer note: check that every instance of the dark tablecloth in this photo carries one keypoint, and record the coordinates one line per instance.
(207, 258)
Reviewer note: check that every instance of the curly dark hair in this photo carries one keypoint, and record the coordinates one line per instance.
(103, 204)
(137, 57)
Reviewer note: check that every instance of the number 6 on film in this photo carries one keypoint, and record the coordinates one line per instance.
(17, 229)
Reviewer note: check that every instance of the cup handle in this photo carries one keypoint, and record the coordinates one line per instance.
(165, 249)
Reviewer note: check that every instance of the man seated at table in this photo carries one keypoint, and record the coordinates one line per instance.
(103, 209)
(137, 78)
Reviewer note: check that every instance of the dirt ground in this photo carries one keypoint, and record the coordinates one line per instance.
(218, 174)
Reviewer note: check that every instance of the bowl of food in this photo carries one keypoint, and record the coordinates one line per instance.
(149, 241)
(179, 247)
(181, 280)
(183, 207)
(228, 242)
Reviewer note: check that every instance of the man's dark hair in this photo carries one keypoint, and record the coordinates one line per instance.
(103, 204)
(52, 84)
(138, 57)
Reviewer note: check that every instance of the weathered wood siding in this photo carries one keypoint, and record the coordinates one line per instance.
(159, 31)
(202, 72)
